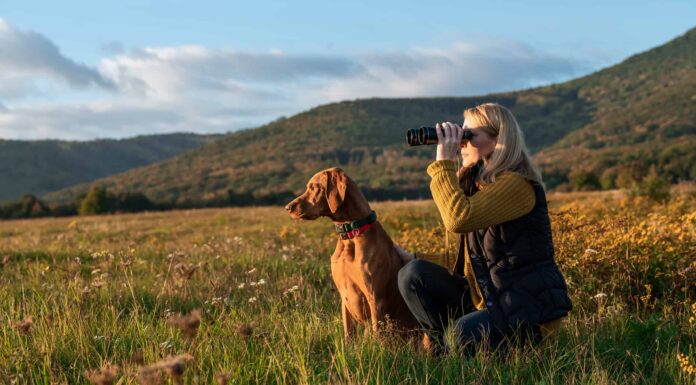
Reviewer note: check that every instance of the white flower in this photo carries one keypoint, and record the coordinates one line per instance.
(285, 257)
(252, 283)
(252, 271)
(292, 289)
(252, 300)
(166, 345)
(600, 296)
(241, 286)
(261, 282)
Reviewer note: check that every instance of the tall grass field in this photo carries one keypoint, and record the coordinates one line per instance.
(245, 296)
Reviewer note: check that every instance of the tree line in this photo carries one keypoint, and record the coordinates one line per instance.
(98, 200)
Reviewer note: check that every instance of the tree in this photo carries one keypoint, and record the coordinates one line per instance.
(654, 186)
(96, 201)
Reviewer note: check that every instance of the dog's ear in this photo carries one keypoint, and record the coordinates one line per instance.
(336, 185)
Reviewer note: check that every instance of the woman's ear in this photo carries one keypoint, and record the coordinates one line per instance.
(336, 185)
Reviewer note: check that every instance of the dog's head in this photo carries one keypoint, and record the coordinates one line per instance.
(323, 197)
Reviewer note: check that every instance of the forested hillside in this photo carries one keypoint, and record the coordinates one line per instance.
(600, 131)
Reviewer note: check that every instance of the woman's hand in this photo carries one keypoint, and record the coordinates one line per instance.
(403, 254)
(449, 140)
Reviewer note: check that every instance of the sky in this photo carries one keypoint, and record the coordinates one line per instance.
(81, 70)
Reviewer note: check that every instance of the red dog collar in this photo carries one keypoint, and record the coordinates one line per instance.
(351, 230)
(354, 233)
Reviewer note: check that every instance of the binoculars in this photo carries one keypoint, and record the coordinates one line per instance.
(428, 135)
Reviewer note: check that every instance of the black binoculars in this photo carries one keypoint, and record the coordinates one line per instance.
(428, 135)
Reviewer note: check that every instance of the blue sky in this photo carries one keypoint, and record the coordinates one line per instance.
(87, 69)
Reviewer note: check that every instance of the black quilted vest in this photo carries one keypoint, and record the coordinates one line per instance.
(514, 265)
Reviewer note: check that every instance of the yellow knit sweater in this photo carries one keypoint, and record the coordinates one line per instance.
(510, 196)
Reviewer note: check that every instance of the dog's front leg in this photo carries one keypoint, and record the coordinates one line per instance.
(377, 316)
(349, 324)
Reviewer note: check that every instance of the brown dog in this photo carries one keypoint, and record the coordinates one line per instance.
(365, 267)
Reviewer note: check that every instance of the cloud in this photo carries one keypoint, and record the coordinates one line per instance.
(464, 69)
(28, 57)
(198, 89)
(163, 72)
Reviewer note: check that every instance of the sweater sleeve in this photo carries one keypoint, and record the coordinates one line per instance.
(509, 197)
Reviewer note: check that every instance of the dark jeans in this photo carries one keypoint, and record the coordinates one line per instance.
(435, 297)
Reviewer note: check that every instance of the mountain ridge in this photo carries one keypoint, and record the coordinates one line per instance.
(588, 132)
(41, 166)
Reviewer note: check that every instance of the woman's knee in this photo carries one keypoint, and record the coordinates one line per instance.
(410, 273)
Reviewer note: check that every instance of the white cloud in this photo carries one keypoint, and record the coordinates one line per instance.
(27, 58)
(197, 89)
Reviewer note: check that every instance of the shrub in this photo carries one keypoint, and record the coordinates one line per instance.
(96, 202)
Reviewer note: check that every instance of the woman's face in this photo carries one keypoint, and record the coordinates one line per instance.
(480, 146)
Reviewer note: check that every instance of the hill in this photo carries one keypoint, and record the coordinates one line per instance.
(597, 131)
(41, 166)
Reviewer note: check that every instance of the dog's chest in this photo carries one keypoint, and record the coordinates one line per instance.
(348, 277)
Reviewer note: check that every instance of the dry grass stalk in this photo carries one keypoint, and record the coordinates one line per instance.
(104, 376)
(188, 324)
(24, 327)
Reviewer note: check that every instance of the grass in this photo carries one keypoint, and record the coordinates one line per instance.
(117, 290)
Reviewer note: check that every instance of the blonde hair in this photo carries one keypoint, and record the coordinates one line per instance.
(510, 152)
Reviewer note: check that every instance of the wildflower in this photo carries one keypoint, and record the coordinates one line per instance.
(188, 324)
(245, 330)
(600, 296)
(252, 300)
(215, 301)
(252, 283)
(252, 271)
(174, 366)
(292, 289)
(241, 285)
(24, 327)
(222, 378)
(186, 270)
(685, 364)
(285, 257)
(137, 357)
(104, 376)
(148, 375)
(261, 282)
(166, 345)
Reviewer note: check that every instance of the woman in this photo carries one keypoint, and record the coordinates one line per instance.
(504, 284)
